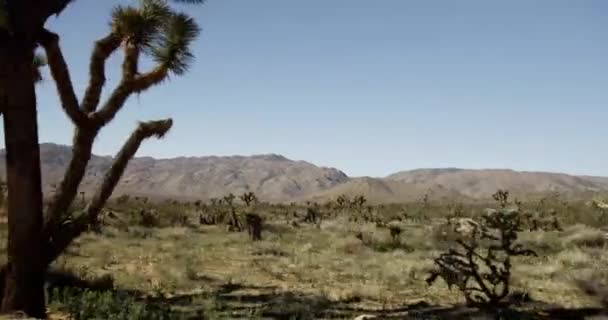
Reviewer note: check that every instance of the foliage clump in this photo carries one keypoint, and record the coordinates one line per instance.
(107, 305)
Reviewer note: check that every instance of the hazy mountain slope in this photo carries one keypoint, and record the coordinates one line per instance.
(480, 183)
(276, 178)
(271, 177)
(378, 190)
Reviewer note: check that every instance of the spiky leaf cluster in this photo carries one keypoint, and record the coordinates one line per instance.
(140, 26)
(158, 31)
(173, 46)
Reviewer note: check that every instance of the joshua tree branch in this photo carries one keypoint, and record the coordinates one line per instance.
(62, 237)
(68, 188)
(153, 77)
(61, 77)
(144, 131)
(130, 64)
(127, 87)
(104, 47)
(114, 103)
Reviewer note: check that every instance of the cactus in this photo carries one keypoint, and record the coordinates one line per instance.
(480, 266)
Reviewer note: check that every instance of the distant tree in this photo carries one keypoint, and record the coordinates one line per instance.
(229, 199)
(359, 201)
(249, 198)
(234, 222)
(342, 201)
(502, 197)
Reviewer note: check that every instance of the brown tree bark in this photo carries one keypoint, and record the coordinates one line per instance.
(68, 188)
(24, 277)
(22, 280)
(64, 237)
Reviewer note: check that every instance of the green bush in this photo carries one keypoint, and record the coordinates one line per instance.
(106, 305)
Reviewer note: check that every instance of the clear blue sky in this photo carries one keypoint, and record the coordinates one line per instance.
(372, 87)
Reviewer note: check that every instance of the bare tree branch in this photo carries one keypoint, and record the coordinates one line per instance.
(124, 90)
(61, 77)
(144, 131)
(131, 62)
(104, 47)
(68, 188)
(61, 238)
(155, 76)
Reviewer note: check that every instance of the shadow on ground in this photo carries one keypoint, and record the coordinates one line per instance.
(234, 301)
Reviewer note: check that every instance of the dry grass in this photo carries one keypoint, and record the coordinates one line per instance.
(328, 262)
(319, 270)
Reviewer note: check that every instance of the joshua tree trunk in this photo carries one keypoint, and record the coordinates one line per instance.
(64, 236)
(33, 242)
(24, 281)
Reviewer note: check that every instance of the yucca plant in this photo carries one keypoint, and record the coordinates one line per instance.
(152, 29)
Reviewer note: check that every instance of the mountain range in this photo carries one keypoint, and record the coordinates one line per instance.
(275, 178)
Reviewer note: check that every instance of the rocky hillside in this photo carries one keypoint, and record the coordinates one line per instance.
(275, 178)
(481, 183)
(272, 177)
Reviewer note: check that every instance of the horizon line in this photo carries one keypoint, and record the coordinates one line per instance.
(336, 168)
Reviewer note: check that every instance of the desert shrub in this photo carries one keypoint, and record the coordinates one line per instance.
(88, 304)
(544, 243)
(352, 247)
(596, 286)
(584, 237)
(480, 263)
(140, 232)
(148, 218)
(70, 278)
(271, 251)
(123, 199)
(292, 306)
(383, 243)
(177, 218)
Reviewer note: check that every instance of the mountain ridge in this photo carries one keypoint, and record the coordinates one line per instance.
(274, 177)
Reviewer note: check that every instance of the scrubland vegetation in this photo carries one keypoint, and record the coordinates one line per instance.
(237, 257)
(149, 259)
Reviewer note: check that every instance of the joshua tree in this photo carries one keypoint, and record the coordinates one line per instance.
(312, 215)
(359, 201)
(425, 200)
(395, 231)
(341, 202)
(229, 199)
(254, 226)
(480, 265)
(234, 223)
(502, 196)
(152, 29)
(249, 198)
